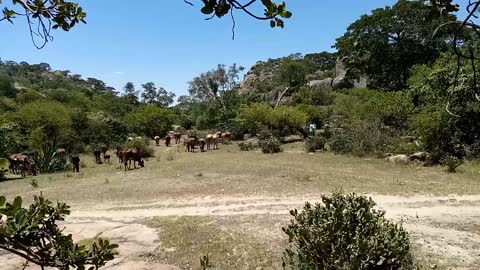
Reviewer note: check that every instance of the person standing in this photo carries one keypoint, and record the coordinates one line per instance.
(312, 128)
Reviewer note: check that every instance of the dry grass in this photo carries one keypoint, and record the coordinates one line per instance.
(239, 241)
(184, 240)
(229, 171)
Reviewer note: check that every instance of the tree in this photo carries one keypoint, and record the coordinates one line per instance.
(104, 129)
(6, 87)
(33, 234)
(292, 72)
(387, 43)
(160, 96)
(256, 116)
(130, 93)
(43, 16)
(49, 125)
(447, 122)
(323, 61)
(214, 86)
(150, 120)
(164, 98)
(99, 87)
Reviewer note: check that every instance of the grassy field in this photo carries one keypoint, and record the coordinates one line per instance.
(173, 173)
(232, 205)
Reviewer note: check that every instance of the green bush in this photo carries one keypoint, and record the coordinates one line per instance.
(142, 145)
(345, 232)
(316, 114)
(33, 233)
(451, 163)
(269, 143)
(246, 146)
(305, 95)
(150, 121)
(434, 128)
(4, 164)
(362, 138)
(315, 143)
(202, 123)
(270, 146)
(404, 148)
(284, 119)
(391, 109)
(341, 144)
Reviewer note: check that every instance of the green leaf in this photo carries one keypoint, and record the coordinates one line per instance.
(272, 23)
(279, 23)
(286, 14)
(207, 10)
(381, 261)
(17, 203)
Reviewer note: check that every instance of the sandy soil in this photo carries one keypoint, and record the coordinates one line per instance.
(445, 227)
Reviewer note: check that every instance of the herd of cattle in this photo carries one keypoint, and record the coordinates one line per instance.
(210, 142)
(24, 164)
(127, 155)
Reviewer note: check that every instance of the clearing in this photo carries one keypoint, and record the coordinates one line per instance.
(232, 205)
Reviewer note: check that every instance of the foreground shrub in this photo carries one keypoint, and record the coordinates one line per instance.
(142, 146)
(315, 143)
(3, 167)
(345, 232)
(33, 234)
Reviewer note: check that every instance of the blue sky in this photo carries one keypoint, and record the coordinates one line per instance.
(169, 42)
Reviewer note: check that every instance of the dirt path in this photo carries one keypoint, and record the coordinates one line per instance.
(445, 227)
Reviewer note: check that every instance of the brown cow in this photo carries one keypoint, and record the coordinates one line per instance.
(119, 154)
(76, 163)
(104, 149)
(202, 143)
(23, 164)
(215, 139)
(177, 135)
(190, 143)
(97, 154)
(209, 140)
(226, 136)
(168, 139)
(157, 140)
(132, 154)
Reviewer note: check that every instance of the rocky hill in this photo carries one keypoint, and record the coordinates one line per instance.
(330, 74)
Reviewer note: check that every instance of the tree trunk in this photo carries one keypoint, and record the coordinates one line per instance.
(281, 96)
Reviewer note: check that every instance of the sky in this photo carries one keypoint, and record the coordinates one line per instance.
(168, 42)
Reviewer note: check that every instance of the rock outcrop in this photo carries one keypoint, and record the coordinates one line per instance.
(260, 79)
(340, 81)
(261, 73)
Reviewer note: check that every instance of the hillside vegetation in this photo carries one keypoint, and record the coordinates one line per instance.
(423, 103)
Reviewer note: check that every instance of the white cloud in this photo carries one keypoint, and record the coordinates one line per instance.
(119, 72)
